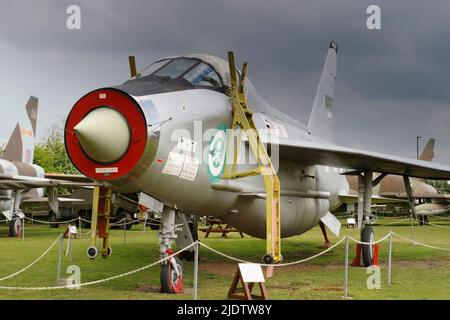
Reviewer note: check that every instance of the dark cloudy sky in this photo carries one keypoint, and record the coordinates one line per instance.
(393, 84)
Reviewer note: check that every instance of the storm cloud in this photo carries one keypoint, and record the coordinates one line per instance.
(392, 84)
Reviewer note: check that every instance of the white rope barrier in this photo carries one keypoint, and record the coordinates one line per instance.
(370, 243)
(51, 222)
(155, 220)
(101, 280)
(420, 244)
(34, 262)
(121, 223)
(395, 222)
(273, 265)
(115, 224)
(435, 225)
(439, 217)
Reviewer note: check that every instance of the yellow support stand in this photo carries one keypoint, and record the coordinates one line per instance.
(100, 221)
(243, 119)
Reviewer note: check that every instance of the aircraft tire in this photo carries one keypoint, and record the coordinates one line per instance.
(52, 219)
(154, 226)
(122, 214)
(87, 215)
(366, 249)
(14, 226)
(170, 282)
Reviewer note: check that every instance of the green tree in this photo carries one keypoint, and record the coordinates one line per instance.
(441, 186)
(51, 154)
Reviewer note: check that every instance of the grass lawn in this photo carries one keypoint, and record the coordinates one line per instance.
(418, 272)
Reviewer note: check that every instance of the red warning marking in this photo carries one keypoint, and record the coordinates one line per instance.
(130, 110)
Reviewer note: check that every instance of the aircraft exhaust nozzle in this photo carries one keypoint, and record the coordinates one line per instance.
(104, 135)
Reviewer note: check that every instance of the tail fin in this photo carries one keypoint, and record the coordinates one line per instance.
(20, 146)
(428, 152)
(321, 120)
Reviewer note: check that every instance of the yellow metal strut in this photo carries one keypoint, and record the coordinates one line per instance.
(243, 119)
(100, 221)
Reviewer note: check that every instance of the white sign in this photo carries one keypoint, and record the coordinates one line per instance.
(185, 144)
(190, 167)
(251, 272)
(72, 230)
(107, 170)
(174, 164)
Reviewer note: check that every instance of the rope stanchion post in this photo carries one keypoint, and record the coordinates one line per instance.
(124, 231)
(79, 226)
(412, 228)
(390, 259)
(69, 245)
(58, 274)
(145, 223)
(197, 247)
(346, 269)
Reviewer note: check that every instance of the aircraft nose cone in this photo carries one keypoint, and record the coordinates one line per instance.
(104, 135)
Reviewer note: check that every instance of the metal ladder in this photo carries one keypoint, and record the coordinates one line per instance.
(243, 119)
(101, 213)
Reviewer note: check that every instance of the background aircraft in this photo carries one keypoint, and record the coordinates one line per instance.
(391, 188)
(20, 179)
(17, 160)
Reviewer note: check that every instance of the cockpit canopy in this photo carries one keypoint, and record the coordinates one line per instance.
(193, 70)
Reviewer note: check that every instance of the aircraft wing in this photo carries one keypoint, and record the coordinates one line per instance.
(68, 177)
(313, 153)
(18, 182)
(403, 195)
(376, 199)
(45, 199)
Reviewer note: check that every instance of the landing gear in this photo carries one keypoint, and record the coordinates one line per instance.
(327, 243)
(16, 215)
(367, 249)
(423, 220)
(186, 235)
(86, 216)
(52, 219)
(15, 226)
(171, 276)
(124, 217)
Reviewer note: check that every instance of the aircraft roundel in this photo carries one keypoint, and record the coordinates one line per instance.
(216, 153)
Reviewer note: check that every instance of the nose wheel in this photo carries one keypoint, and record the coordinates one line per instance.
(15, 226)
(171, 276)
(367, 249)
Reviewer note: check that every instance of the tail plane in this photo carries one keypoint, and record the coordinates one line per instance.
(21, 143)
(321, 120)
(428, 152)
